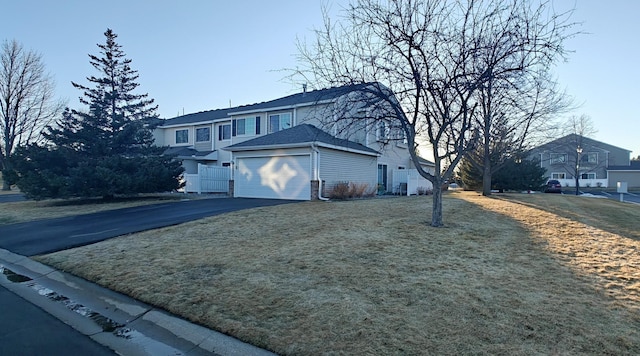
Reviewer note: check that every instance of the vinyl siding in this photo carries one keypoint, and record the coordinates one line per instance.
(339, 166)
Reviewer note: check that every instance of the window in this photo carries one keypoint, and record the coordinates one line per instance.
(400, 136)
(382, 131)
(588, 176)
(224, 132)
(558, 176)
(589, 158)
(182, 136)
(203, 134)
(279, 122)
(246, 126)
(558, 158)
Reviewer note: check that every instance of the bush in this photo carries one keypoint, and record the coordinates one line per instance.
(349, 190)
(424, 191)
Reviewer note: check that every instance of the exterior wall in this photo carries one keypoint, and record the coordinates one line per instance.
(340, 166)
(631, 177)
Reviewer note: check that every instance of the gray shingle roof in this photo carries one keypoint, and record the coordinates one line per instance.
(295, 99)
(300, 134)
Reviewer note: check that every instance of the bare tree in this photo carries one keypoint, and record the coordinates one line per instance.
(578, 128)
(27, 102)
(516, 113)
(426, 60)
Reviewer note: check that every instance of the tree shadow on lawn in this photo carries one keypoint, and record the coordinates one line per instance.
(604, 260)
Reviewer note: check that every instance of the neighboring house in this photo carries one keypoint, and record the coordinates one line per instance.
(287, 147)
(597, 164)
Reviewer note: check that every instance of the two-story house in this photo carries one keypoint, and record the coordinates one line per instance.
(295, 147)
(592, 162)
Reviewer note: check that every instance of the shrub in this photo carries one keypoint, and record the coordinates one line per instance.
(348, 190)
(424, 191)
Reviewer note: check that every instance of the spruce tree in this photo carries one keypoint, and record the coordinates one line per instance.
(107, 148)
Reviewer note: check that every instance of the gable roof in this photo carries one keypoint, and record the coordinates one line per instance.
(300, 136)
(571, 138)
(311, 97)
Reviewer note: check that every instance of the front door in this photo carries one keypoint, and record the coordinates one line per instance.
(382, 176)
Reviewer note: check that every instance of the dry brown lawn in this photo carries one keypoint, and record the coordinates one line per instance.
(371, 277)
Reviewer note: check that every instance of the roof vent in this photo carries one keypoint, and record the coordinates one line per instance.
(304, 89)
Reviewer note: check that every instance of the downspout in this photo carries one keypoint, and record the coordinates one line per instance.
(316, 166)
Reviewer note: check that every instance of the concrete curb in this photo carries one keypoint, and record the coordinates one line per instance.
(125, 325)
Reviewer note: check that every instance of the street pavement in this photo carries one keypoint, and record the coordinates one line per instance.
(28, 302)
(28, 330)
(10, 198)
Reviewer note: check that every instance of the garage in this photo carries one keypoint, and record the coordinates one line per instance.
(273, 177)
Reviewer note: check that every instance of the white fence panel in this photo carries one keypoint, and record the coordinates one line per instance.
(412, 179)
(210, 179)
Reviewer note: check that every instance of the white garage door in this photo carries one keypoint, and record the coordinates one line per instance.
(280, 177)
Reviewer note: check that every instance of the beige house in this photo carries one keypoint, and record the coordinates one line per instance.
(269, 158)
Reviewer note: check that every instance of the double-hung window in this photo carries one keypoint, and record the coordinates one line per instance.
(382, 131)
(247, 126)
(558, 158)
(224, 132)
(279, 122)
(203, 134)
(182, 136)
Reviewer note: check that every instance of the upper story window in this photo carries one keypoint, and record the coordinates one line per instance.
(589, 158)
(558, 158)
(224, 132)
(203, 134)
(182, 136)
(247, 126)
(279, 122)
(382, 131)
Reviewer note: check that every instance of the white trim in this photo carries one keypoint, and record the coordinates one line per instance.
(298, 145)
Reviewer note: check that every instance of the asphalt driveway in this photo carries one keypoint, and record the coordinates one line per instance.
(50, 235)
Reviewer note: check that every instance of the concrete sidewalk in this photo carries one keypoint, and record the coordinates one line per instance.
(123, 324)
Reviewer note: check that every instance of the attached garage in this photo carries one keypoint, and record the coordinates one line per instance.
(273, 177)
(290, 164)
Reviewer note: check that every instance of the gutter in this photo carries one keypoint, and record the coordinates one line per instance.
(316, 163)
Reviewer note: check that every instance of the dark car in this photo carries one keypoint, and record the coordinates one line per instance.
(553, 186)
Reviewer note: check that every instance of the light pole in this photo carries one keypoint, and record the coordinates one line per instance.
(578, 153)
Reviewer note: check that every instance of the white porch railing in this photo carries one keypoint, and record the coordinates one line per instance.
(209, 179)
(592, 183)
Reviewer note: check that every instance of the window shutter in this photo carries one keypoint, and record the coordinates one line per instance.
(220, 133)
(233, 128)
(257, 125)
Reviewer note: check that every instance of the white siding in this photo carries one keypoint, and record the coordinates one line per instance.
(339, 166)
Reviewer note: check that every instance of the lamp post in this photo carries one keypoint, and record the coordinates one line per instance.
(578, 153)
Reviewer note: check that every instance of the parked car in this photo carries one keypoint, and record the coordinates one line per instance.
(553, 186)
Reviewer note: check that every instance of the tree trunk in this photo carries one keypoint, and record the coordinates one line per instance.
(486, 178)
(436, 215)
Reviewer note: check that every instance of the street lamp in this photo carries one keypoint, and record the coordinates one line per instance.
(578, 152)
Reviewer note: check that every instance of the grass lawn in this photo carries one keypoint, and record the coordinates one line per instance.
(371, 277)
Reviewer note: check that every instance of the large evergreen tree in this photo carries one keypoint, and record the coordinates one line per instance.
(516, 174)
(106, 149)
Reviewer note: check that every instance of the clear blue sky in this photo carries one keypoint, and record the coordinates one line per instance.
(200, 55)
